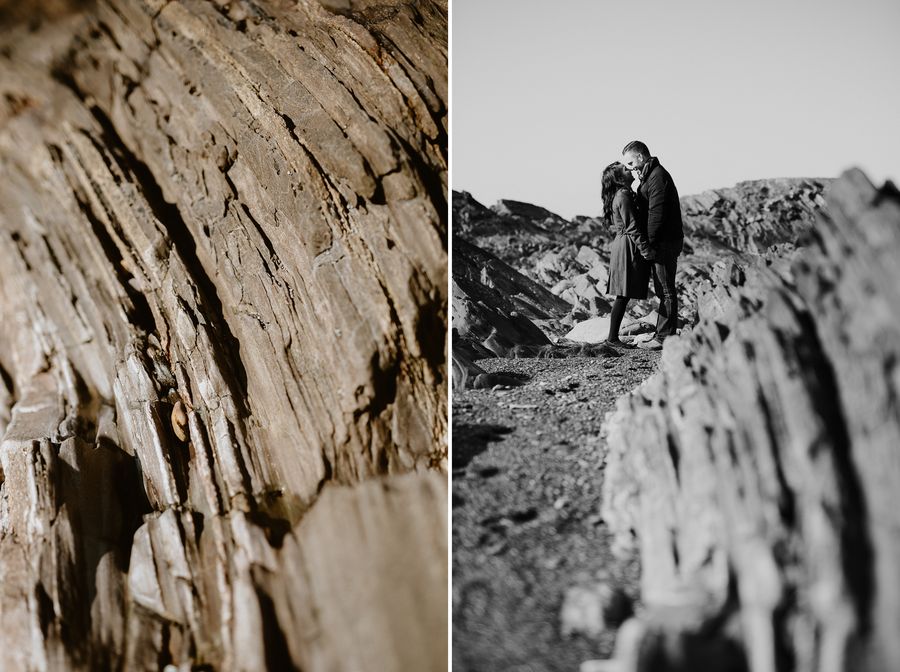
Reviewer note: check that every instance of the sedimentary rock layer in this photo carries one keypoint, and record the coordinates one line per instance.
(495, 309)
(222, 337)
(758, 468)
(490, 297)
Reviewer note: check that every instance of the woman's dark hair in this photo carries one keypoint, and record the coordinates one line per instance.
(613, 179)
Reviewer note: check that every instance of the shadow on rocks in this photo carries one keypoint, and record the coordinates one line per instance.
(486, 381)
(562, 350)
(472, 440)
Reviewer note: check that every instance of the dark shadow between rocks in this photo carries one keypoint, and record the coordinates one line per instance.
(472, 440)
(485, 381)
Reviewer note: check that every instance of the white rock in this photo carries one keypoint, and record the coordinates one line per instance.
(588, 257)
(591, 609)
(600, 273)
(596, 329)
(560, 287)
(593, 330)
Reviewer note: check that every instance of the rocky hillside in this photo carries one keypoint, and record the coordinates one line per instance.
(495, 308)
(505, 219)
(571, 257)
(515, 231)
(485, 282)
(498, 312)
(752, 216)
(757, 471)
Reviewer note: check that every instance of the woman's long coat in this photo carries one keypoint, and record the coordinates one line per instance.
(629, 272)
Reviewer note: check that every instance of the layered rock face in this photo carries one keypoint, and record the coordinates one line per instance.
(565, 257)
(507, 220)
(753, 215)
(495, 309)
(758, 469)
(492, 298)
(223, 321)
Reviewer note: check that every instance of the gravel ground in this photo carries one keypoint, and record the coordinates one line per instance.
(527, 473)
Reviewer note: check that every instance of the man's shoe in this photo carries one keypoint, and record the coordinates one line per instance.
(652, 344)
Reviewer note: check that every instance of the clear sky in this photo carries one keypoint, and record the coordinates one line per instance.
(545, 94)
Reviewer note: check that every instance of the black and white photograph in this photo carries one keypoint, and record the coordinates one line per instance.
(675, 335)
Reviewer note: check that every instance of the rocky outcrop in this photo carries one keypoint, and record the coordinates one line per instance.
(222, 337)
(559, 254)
(509, 220)
(495, 309)
(484, 279)
(571, 258)
(498, 312)
(754, 215)
(520, 233)
(757, 471)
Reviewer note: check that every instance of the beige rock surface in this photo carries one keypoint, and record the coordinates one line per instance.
(223, 337)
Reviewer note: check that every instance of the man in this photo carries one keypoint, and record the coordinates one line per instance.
(659, 206)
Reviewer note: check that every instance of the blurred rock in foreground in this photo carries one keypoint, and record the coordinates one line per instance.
(758, 471)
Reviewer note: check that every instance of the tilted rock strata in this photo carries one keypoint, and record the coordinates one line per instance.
(222, 337)
(753, 215)
(521, 234)
(479, 270)
(497, 312)
(495, 305)
(505, 219)
(758, 468)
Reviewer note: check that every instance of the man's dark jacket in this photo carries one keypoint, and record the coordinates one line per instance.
(659, 203)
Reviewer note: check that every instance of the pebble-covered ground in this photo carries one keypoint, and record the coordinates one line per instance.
(527, 476)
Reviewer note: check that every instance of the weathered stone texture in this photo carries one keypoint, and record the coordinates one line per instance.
(495, 304)
(759, 468)
(223, 326)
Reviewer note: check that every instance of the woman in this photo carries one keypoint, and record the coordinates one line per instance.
(629, 272)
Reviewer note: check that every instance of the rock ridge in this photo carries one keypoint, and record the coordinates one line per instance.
(755, 467)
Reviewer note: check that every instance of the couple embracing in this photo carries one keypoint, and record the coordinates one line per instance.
(649, 237)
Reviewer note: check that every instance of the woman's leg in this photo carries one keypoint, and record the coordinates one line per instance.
(615, 317)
